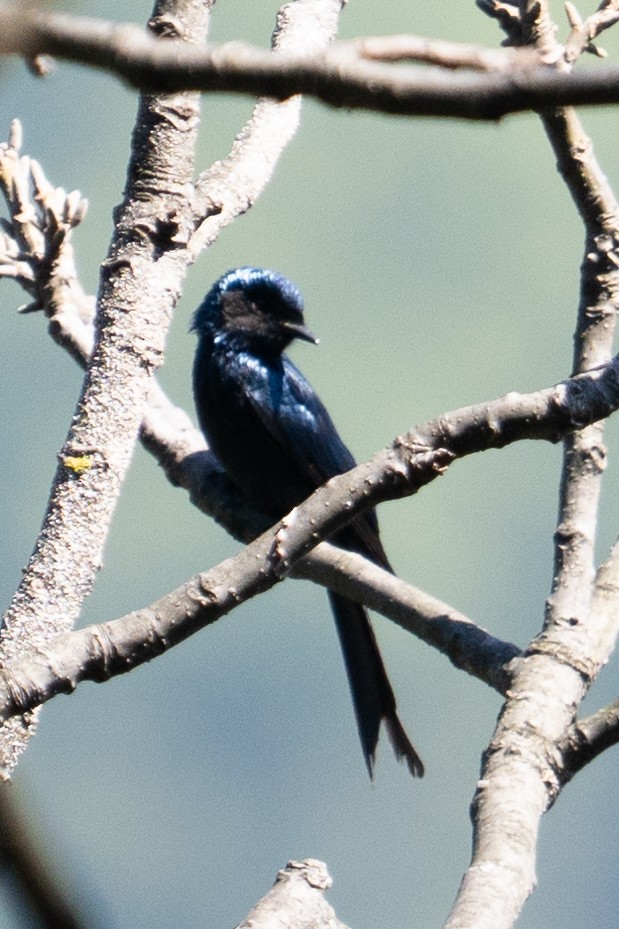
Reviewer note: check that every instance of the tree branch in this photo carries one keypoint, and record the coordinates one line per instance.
(523, 768)
(135, 302)
(583, 33)
(440, 53)
(586, 740)
(230, 186)
(140, 284)
(22, 855)
(99, 652)
(340, 77)
(584, 451)
(296, 900)
(467, 646)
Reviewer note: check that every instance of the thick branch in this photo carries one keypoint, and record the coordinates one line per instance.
(340, 77)
(296, 900)
(136, 296)
(140, 284)
(99, 652)
(521, 775)
(584, 460)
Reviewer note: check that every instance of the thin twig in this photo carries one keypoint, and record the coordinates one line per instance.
(584, 32)
(230, 186)
(440, 53)
(586, 740)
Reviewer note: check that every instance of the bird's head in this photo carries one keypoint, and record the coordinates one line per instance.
(262, 309)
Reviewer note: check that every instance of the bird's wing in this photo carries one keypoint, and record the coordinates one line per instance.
(299, 422)
(318, 441)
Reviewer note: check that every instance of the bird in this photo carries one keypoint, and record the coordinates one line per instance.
(275, 439)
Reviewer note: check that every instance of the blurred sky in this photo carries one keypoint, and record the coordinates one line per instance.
(439, 263)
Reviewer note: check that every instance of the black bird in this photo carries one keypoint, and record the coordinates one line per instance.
(276, 440)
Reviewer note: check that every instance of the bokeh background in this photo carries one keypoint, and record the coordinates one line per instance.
(439, 262)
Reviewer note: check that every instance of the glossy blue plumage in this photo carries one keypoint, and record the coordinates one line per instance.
(276, 440)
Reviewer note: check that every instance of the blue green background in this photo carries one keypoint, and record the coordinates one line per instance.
(439, 263)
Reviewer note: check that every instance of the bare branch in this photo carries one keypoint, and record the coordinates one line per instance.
(585, 451)
(517, 785)
(441, 53)
(36, 250)
(296, 900)
(140, 284)
(523, 769)
(230, 187)
(583, 33)
(136, 296)
(41, 217)
(586, 740)
(99, 652)
(570, 603)
(340, 77)
(526, 23)
(467, 646)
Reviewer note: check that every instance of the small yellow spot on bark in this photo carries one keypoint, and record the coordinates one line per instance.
(78, 463)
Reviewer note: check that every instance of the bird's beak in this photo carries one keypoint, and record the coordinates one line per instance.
(300, 331)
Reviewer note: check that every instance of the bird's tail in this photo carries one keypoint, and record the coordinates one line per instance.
(372, 695)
